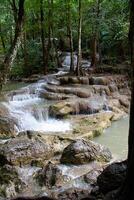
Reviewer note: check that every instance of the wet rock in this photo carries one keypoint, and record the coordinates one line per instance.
(78, 106)
(10, 184)
(91, 177)
(73, 194)
(124, 102)
(54, 96)
(91, 126)
(78, 91)
(74, 80)
(112, 177)
(113, 88)
(33, 198)
(7, 127)
(102, 89)
(22, 150)
(99, 81)
(81, 152)
(60, 109)
(50, 176)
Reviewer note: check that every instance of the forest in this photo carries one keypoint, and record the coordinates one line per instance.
(66, 100)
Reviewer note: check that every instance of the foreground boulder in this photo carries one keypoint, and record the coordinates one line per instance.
(82, 151)
(112, 177)
(25, 150)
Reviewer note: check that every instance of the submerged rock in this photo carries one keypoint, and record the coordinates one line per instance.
(81, 152)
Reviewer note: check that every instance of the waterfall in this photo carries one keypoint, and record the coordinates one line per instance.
(31, 112)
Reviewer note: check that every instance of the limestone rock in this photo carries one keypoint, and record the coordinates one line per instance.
(81, 151)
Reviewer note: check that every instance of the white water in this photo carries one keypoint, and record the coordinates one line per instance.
(31, 112)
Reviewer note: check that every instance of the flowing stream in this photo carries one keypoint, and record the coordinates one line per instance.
(30, 112)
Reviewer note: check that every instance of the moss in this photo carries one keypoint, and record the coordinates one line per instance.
(97, 132)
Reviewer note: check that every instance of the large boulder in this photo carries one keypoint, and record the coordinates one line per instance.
(112, 177)
(24, 150)
(82, 151)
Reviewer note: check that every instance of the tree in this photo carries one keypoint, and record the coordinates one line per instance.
(44, 53)
(70, 34)
(128, 187)
(126, 192)
(11, 54)
(79, 38)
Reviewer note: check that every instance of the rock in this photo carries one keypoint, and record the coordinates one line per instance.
(124, 102)
(99, 81)
(78, 91)
(10, 184)
(81, 152)
(77, 106)
(74, 80)
(91, 126)
(113, 88)
(112, 177)
(7, 127)
(33, 198)
(60, 109)
(50, 176)
(23, 150)
(54, 96)
(73, 194)
(101, 89)
(91, 177)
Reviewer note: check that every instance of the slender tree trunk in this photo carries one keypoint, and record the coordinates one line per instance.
(69, 25)
(10, 56)
(95, 41)
(79, 39)
(14, 9)
(43, 37)
(2, 40)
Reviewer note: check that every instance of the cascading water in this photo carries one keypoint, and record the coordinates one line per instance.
(30, 112)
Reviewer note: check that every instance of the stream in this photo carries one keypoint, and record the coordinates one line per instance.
(30, 112)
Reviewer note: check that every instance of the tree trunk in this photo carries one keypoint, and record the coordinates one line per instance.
(95, 44)
(79, 39)
(2, 40)
(9, 58)
(127, 190)
(43, 37)
(69, 25)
